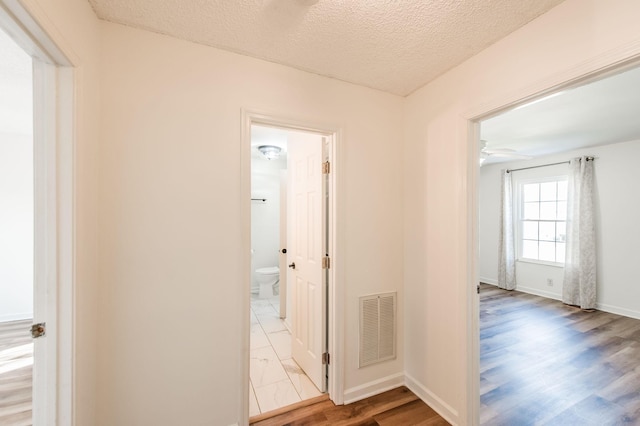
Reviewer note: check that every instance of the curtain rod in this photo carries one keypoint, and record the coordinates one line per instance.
(545, 165)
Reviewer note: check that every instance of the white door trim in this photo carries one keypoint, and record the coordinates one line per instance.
(54, 142)
(335, 302)
(610, 62)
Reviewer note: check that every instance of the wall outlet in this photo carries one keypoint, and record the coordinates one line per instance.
(550, 282)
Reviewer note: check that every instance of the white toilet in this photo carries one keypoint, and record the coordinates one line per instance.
(267, 278)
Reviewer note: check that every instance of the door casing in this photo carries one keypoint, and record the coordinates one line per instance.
(335, 300)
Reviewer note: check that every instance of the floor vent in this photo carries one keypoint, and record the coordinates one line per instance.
(377, 328)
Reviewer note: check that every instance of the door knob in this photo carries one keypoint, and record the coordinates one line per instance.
(293, 265)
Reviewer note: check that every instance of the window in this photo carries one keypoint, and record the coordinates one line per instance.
(542, 220)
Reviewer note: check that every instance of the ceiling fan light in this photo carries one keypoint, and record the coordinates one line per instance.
(271, 152)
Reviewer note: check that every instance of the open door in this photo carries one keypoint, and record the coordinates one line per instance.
(306, 279)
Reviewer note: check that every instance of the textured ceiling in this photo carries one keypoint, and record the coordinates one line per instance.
(392, 45)
(599, 113)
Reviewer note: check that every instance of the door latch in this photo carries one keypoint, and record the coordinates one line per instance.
(38, 330)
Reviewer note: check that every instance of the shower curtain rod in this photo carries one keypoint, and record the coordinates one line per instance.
(545, 165)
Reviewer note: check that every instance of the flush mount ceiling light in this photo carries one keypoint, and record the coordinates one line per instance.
(270, 151)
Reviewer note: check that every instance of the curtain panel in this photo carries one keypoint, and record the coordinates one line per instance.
(579, 285)
(506, 242)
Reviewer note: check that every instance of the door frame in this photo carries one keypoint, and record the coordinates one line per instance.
(54, 176)
(610, 62)
(335, 299)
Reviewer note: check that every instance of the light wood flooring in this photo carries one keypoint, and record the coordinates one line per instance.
(16, 363)
(546, 363)
(397, 407)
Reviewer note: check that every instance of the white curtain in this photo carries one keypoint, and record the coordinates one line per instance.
(507, 258)
(579, 286)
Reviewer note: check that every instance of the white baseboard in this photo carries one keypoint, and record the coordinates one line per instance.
(599, 306)
(16, 317)
(488, 281)
(618, 311)
(432, 400)
(538, 292)
(373, 388)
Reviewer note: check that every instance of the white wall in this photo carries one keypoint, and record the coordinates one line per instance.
(571, 39)
(171, 254)
(16, 226)
(265, 216)
(617, 230)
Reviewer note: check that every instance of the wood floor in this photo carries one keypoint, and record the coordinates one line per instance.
(16, 362)
(397, 407)
(545, 363)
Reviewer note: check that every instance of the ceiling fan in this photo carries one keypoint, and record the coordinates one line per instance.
(506, 153)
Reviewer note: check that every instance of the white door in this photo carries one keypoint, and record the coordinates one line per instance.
(306, 278)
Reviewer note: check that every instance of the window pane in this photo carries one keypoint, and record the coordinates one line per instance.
(532, 211)
(562, 210)
(530, 249)
(548, 210)
(547, 231)
(531, 192)
(548, 191)
(530, 230)
(547, 251)
(561, 231)
(560, 252)
(562, 190)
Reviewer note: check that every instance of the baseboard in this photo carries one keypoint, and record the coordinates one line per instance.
(599, 306)
(432, 400)
(488, 281)
(373, 388)
(538, 292)
(16, 317)
(617, 310)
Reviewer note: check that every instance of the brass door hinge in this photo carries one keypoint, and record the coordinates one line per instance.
(325, 358)
(326, 168)
(326, 262)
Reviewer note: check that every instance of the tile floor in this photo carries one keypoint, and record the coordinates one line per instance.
(276, 379)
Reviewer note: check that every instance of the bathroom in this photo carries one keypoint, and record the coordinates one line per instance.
(276, 380)
(268, 181)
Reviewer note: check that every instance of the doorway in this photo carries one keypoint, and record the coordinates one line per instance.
(17, 229)
(597, 102)
(290, 205)
(37, 209)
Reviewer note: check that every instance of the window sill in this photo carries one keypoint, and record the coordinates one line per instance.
(542, 263)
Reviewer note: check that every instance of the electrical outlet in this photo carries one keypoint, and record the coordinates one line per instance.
(550, 282)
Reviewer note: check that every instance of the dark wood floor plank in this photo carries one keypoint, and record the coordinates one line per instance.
(297, 415)
(413, 413)
(546, 363)
(398, 407)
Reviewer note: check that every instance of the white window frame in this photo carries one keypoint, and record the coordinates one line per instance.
(518, 208)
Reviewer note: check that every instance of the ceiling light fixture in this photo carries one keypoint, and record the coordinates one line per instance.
(270, 151)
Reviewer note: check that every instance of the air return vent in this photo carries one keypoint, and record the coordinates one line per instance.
(377, 328)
